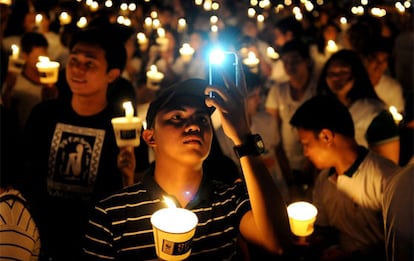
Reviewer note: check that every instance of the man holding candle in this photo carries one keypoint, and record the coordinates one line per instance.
(349, 190)
(179, 130)
(71, 155)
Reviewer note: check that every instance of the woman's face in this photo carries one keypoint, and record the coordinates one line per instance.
(339, 78)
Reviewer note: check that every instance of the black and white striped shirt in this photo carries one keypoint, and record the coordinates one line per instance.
(120, 227)
(19, 236)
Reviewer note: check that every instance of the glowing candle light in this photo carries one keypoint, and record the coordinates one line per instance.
(271, 53)
(302, 216)
(15, 64)
(186, 52)
(175, 225)
(48, 70)
(15, 51)
(65, 18)
(182, 25)
(142, 41)
(252, 62)
(154, 78)
(395, 114)
(331, 46)
(260, 22)
(129, 110)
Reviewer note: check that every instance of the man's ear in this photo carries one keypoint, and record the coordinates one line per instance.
(326, 135)
(148, 136)
(113, 74)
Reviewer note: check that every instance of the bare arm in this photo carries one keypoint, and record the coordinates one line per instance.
(267, 223)
(390, 150)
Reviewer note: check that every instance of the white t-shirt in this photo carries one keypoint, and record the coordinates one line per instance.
(390, 91)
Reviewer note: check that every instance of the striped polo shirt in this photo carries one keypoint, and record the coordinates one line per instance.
(120, 227)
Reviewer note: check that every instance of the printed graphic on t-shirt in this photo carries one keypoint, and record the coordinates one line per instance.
(74, 160)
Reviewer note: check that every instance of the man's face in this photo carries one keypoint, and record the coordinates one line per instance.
(315, 148)
(86, 70)
(183, 132)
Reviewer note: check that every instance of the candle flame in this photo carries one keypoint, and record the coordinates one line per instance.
(43, 59)
(153, 68)
(129, 109)
(170, 203)
(395, 114)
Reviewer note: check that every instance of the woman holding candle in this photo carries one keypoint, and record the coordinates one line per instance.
(179, 131)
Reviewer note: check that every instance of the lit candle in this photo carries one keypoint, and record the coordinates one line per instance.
(331, 46)
(161, 40)
(15, 52)
(48, 70)
(252, 61)
(395, 114)
(177, 227)
(142, 41)
(271, 53)
(182, 25)
(15, 64)
(302, 216)
(65, 18)
(127, 129)
(154, 78)
(38, 21)
(129, 110)
(186, 52)
(82, 22)
(260, 21)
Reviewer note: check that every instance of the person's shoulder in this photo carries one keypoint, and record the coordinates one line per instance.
(128, 195)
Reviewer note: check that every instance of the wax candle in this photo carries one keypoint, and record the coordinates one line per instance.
(302, 216)
(142, 41)
(65, 18)
(186, 52)
(331, 46)
(175, 226)
(48, 70)
(252, 61)
(38, 21)
(15, 52)
(271, 53)
(182, 25)
(154, 78)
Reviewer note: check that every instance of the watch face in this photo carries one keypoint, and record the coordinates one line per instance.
(259, 144)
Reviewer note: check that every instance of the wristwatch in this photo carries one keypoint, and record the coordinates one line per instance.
(252, 145)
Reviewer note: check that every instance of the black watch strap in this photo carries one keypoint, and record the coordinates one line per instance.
(252, 145)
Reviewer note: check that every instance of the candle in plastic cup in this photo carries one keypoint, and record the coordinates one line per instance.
(173, 229)
(252, 62)
(48, 70)
(154, 78)
(302, 216)
(127, 131)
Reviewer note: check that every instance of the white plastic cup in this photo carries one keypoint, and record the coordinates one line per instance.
(173, 229)
(127, 131)
(302, 216)
(48, 72)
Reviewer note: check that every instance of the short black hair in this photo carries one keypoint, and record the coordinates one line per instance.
(324, 112)
(290, 24)
(31, 40)
(295, 45)
(100, 36)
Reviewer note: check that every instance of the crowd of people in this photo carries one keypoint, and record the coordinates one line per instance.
(319, 100)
